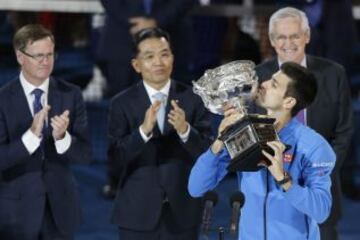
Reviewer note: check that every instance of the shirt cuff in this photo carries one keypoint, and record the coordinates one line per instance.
(185, 136)
(222, 157)
(144, 136)
(63, 145)
(31, 141)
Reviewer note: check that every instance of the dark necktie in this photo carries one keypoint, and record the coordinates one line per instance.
(37, 108)
(147, 6)
(37, 101)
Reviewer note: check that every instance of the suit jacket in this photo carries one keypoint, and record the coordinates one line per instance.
(330, 114)
(26, 180)
(157, 170)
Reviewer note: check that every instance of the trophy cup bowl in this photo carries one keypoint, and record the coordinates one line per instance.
(235, 83)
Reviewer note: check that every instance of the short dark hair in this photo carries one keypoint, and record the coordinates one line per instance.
(302, 85)
(146, 34)
(29, 34)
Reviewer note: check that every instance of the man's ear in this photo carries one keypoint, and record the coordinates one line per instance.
(289, 103)
(19, 57)
(272, 43)
(307, 36)
(136, 65)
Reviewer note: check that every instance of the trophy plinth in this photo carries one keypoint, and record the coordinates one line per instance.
(234, 83)
(245, 140)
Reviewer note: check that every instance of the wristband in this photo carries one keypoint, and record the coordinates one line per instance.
(286, 179)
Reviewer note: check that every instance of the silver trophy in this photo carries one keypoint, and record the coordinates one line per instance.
(235, 83)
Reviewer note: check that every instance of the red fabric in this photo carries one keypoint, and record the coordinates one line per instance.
(47, 19)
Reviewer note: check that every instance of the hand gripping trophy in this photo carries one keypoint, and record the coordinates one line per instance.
(235, 83)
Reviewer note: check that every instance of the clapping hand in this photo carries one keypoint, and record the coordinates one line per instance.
(150, 118)
(60, 125)
(39, 121)
(177, 118)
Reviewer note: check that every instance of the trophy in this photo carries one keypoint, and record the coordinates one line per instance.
(235, 83)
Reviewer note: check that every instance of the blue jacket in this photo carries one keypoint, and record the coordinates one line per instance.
(268, 210)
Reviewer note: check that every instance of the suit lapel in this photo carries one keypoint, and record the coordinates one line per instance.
(143, 103)
(55, 102)
(17, 98)
(311, 65)
(309, 115)
(172, 96)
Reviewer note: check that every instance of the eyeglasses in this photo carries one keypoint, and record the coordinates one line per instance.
(40, 57)
(293, 38)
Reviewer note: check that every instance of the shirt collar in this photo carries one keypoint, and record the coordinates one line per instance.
(303, 62)
(287, 130)
(152, 91)
(28, 87)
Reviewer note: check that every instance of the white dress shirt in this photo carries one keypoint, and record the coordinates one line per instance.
(30, 140)
(165, 90)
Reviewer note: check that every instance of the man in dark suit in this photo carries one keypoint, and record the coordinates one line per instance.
(43, 127)
(156, 143)
(331, 112)
(124, 18)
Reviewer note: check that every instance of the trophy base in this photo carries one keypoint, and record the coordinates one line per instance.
(251, 160)
(245, 141)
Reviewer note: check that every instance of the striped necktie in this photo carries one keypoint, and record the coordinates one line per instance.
(37, 106)
(161, 112)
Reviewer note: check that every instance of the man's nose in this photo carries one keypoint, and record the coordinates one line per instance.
(157, 60)
(46, 59)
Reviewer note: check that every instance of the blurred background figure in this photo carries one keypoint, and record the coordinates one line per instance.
(124, 18)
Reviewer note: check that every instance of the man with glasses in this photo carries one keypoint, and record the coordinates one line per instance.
(40, 57)
(331, 112)
(157, 129)
(43, 127)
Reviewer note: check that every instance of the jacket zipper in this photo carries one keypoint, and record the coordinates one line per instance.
(266, 196)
